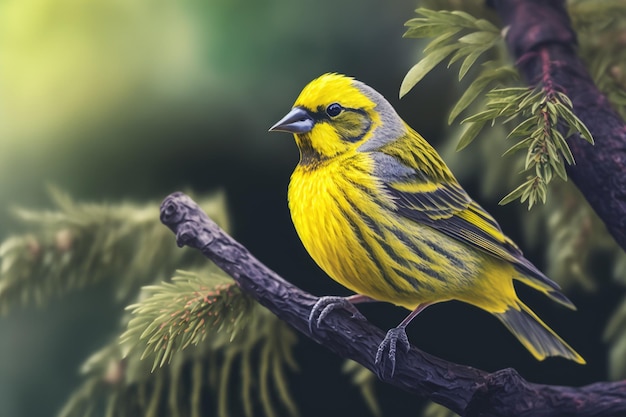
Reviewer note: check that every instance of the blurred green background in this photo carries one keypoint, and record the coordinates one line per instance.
(131, 100)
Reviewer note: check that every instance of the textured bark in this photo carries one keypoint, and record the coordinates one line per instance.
(542, 41)
(465, 390)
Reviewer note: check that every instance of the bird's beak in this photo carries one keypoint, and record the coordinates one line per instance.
(298, 120)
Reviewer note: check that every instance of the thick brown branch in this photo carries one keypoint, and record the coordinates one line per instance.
(542, 41)
(465, 390)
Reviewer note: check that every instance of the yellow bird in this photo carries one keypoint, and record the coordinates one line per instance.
(380, 212)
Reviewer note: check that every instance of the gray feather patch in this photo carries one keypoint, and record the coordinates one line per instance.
(389, 169)
(392, 125)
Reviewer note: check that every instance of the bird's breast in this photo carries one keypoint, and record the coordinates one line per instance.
(350, 227)
(322, 203)
(339, 211)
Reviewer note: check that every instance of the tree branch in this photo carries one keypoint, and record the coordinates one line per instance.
(542, 41)
(463, 389)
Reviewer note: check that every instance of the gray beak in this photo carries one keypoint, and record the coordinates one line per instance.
(298, 120)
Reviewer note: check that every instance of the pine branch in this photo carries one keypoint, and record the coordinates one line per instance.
(541, 39)
(174, 315)
(202, 332)
(454, 32)
(80, 244)
(541, 112)
(547, 152)
(465, 390)
(198, 323)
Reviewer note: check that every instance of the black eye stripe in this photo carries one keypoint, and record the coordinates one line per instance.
(321, 116)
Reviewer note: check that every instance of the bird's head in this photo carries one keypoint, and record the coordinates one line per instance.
(335, 114)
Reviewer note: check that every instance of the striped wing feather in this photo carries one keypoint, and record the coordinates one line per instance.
(438, 201)
(447, 208)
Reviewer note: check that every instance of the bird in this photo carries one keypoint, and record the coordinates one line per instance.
(380, 212)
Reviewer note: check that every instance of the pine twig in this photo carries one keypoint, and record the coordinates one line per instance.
(465, 390)
(543, 42)
(77, 244)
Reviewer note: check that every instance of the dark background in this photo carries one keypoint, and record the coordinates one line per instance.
(112, 102)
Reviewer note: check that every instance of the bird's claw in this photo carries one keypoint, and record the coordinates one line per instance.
(325, 305)
(390, 344)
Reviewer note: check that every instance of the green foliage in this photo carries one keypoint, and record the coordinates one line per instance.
(490, 74)
(602, 38)
(77, 245)
(365, 380)
(592, 16)
(540, 114)
(615, 336)
(196, 381)
(437, 410)
(202, 326)
(187, 338)
(454, 32)
(173, 315)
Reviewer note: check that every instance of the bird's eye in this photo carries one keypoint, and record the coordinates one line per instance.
(334, 109)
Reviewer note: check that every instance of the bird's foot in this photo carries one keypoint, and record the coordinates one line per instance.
(325, 305)
(388, 347)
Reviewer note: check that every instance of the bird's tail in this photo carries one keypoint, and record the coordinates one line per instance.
(535, 335)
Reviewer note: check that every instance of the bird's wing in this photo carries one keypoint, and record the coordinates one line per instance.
(441, 203)
(437, 200)
(423, 189)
